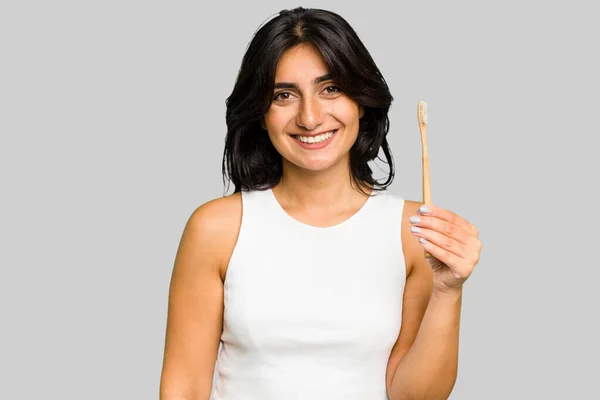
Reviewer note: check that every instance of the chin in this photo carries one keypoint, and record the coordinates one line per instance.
(316, 164)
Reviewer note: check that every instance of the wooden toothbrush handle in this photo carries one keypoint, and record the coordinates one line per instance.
(426, 180)
(425, 157)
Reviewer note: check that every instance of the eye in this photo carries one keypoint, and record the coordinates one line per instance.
(282, 96)
(331, 89)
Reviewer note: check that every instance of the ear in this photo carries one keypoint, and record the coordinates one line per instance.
(361, 112)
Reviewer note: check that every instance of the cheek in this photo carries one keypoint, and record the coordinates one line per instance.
(275, 125)
(347, 111)
(276, 120)
(351, 120)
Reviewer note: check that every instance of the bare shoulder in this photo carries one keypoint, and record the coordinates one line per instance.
(413, 251)
(218, 215)
(215, 225)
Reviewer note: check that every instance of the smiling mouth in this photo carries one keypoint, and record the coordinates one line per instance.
(315, 139)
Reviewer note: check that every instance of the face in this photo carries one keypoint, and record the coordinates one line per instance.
(311, 123)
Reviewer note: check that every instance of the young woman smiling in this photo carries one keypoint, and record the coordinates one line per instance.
(311, 274)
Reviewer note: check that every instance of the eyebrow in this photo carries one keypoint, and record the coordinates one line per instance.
(291, 85)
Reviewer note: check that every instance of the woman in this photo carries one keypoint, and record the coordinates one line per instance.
(312, 275)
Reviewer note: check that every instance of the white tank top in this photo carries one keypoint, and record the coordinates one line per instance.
(311, 312)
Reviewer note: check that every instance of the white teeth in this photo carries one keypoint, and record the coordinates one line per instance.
(315, 139)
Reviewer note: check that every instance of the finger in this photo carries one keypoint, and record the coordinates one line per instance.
(445, 256)
(443, 227)
(448, 216)
(442, 241)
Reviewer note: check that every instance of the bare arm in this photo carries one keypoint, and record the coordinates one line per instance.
(428, 370)
(423, 363)
(195, 311)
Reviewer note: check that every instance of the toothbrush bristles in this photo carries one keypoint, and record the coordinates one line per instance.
(423, 113)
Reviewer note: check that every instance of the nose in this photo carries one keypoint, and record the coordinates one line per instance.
(310, 115)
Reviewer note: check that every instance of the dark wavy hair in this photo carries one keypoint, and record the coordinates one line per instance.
(250, 160)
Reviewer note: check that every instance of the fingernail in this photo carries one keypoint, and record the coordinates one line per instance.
(415, 229)
(414, 219)
(422, 241)
(424, 209)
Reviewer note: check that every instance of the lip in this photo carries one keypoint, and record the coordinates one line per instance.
(316, 146)
(313, 134)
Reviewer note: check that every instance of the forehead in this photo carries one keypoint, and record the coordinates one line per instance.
(300, 63)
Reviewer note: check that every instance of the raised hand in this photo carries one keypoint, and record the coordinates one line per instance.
(451, 240)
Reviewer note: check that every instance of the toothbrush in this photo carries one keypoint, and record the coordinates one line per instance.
(422, 115)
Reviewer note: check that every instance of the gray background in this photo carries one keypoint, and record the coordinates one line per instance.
(112, 123)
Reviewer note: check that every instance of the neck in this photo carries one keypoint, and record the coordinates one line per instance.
(332, 188)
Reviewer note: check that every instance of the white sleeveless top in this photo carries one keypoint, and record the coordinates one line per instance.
(311, 312)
